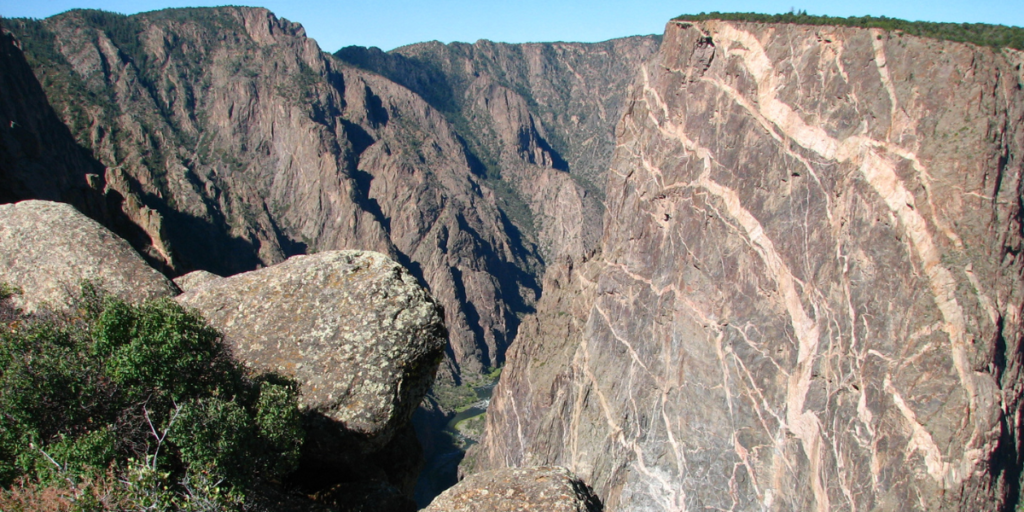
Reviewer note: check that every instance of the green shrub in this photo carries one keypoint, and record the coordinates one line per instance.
(146, 392)
(981, 34)
(280, 425)
(453, 398)
(213, 437)
(160, 345)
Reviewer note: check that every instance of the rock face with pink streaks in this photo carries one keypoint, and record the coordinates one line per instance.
(808, 291)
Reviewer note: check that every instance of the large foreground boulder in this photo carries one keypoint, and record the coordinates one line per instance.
(48, 248)
(547, 488)
(354, 328)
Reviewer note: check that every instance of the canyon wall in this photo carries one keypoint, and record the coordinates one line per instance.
(804, 291)
(235, 142)
(225, 140)
(808, 291)
(540, 118)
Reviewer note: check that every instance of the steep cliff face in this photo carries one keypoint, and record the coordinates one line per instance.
(540, 118)
(39, 157)
(236, 142)
(809, 288)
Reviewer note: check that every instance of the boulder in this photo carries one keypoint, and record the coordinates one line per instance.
(47, 249)
(194, 279)
(547, 488)
(354, 328)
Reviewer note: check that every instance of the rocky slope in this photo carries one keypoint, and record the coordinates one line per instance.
(225, 140)
(540, 117)
(551, 489)
(808, 291)
(236, 143)
(39, 157)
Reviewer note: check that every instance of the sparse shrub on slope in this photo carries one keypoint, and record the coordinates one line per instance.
(981, 34)
(112, 405)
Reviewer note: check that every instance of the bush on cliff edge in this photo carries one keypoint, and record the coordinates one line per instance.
(111, 405)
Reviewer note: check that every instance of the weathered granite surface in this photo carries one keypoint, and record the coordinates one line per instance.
(354, 328)
(363, 339)
(47, 249)
(547, 488)
(194, 279)
(809, 289)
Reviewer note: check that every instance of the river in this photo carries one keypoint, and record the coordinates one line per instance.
(440, 469)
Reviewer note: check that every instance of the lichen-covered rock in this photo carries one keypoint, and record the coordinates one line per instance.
(546, 488)
(47, 249)
(354, 328)
(194, 279)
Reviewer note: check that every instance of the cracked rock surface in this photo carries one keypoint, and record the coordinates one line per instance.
(808, 291)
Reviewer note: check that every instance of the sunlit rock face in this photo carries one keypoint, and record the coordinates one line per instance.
(547, 488)
(48, 250)
(536, 113)
(808, 291)
(231, 141)
(362, 339)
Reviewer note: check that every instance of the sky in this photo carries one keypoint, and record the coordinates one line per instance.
(388, 24)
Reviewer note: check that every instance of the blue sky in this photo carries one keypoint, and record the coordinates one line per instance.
(391, 23)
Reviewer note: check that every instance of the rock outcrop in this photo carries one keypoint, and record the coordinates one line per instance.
(47, 249)
(354, 328)
(362, 338)
(194, 279)
(551, 489)
(808, 293)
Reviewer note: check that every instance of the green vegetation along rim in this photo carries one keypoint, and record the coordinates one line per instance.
(981, 34)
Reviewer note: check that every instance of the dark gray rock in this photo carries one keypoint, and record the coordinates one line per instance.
(47, 249)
